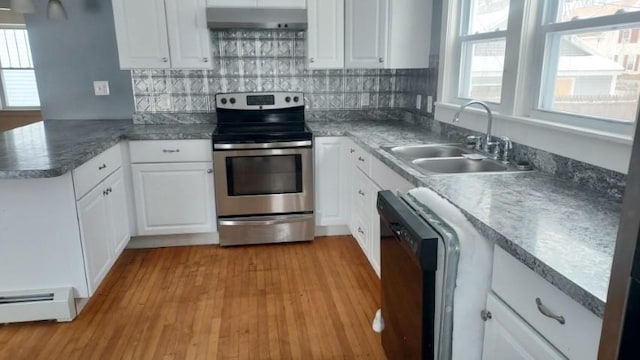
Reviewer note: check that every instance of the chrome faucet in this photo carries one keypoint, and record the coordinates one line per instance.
(487, 141)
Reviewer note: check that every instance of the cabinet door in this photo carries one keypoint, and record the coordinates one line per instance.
(326, 33)
(365, 33)
(188, 34)
(118, 212)
(232, 3)
(96, 234)
(175, 198)
(508, 337)
(141, 33)
(374, 227)
(329, 181)
(291, 4)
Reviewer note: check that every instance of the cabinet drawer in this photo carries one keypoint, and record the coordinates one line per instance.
(363, 161)
(362, 234)
(163, 151)
(361, 194)
(89, 174)
(519, 287)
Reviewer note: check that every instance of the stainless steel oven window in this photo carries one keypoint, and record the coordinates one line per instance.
(264, 175)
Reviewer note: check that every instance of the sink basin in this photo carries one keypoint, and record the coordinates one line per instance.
(458, 165)
(428, 151)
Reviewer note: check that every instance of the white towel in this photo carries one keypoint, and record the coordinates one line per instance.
(473, 280)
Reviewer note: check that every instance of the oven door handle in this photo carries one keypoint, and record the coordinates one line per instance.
(275, 220)
(273, 145)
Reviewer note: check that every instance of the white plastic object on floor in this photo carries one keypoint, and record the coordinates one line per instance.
(378, 322)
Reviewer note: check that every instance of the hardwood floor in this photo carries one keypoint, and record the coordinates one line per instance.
(297, 301)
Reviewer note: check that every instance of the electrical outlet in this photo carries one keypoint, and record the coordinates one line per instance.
(418, 101)
(364, 99)
(429, 104)
(101, 88)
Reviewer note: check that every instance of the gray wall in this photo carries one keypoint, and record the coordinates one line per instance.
(69, 55)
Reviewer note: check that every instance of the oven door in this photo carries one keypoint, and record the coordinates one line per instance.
(263, 181)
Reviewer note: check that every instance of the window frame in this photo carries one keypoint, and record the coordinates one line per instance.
(541, 85)
(524, 64)
(3, 94)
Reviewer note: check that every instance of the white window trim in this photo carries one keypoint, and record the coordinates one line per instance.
(594, 146)
(3, 105)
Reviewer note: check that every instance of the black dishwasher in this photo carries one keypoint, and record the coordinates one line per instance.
(409, 257)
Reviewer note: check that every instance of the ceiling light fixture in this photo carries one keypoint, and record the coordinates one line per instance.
(22, 6)
(55, 10)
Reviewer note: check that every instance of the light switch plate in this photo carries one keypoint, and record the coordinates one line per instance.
(101, 88)
(364, 99)
(429, 104)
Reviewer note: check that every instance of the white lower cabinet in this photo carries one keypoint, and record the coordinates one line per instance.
(347, 181)
(174, 198)
(104, 227)
(508, 337)
(94, 228)
(330, 181)
(558, 327)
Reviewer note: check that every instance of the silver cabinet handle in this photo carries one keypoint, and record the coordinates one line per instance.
(546, 312)
(165, 59)
(102, 167)
(205, 59)
(105, 193)
(360, 230)
(361, 192)
(171, 151)
(360, 158)
(380, 60)
(351, 151)
(209, 171)
(312, 60)
(485, 315)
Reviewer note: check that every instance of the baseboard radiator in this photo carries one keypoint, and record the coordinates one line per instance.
(33, 305)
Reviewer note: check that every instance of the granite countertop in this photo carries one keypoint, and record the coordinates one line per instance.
(565, 234)
(55, 147)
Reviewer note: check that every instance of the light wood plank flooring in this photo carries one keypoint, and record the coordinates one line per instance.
(295, 301)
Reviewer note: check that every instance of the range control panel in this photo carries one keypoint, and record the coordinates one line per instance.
(259, 101)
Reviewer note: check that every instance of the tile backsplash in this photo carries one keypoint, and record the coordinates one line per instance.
(274, 61)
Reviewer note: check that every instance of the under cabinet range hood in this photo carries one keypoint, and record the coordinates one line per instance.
(253, 18)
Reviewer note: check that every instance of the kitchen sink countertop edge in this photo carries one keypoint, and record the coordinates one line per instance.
(563, 233)
(54, 147)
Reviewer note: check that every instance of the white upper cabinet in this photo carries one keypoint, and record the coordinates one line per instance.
(387, 34)
(326, 34)
(188, 35)
(366, 33)
(141, 32)
(291, 4)
(150, 37)
(408, 34)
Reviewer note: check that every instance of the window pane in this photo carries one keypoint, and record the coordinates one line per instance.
(14, 49)
(481, 70)
(487, 15)
(20, 88)
(593, 74)
(583, 9)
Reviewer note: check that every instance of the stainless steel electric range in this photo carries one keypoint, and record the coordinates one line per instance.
(263, 168)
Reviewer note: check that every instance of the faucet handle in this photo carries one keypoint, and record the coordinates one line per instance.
(472, 141)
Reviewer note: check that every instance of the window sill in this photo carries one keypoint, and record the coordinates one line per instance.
(600, 148)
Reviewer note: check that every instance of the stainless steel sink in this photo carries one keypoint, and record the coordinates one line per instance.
(458, 165)
(428, 151)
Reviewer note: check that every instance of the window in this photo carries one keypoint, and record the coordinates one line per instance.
(565, 61)
(483, 45)
(18, 88)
